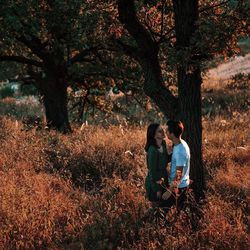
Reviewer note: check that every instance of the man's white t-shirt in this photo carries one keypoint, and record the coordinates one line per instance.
(180, 158)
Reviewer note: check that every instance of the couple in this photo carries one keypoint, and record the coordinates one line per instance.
(163, 189)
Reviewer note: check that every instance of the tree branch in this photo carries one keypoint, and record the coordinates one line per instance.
(128, 49)
(81, 56)
(213, 6)
(165, 38)
(150, 30)
(128, 18)
(35, 45)
(20, 59)
(163, 2)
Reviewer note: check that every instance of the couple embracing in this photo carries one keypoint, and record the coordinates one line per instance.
(165, 189)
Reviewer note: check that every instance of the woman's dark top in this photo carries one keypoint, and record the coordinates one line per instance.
(157, 168)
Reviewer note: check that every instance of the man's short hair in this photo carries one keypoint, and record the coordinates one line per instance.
(175, 127)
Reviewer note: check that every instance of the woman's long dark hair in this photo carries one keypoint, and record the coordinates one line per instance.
(151, 135)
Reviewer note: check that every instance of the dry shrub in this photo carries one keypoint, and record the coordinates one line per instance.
(117, 214)
(222, 226)
(42, 206)
(10, 107)
(224, 103)
(232, 184)
(37, 210)
(96, 152)
(239, 81)
(241, 156)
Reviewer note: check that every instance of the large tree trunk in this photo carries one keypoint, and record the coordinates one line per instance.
(54, 92)
(190, 113)
(189, 89)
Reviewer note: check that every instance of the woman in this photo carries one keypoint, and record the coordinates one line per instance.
(157, 160)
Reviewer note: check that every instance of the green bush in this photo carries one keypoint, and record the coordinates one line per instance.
(6, 92)
(28, 90)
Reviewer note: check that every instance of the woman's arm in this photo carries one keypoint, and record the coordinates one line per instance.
(152, 156)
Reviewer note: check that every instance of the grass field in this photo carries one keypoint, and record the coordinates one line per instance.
(83, 191)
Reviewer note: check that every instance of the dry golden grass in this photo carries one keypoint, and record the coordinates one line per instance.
(84, 191)
(37, 210)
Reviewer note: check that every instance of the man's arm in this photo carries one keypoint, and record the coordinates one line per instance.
(176, 172)
(172, 174)
(176, 176)
(179, 173)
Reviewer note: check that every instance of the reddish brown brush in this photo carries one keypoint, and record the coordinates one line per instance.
(83, 191)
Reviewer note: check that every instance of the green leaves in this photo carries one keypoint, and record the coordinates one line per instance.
(233, 3)
(58, 30)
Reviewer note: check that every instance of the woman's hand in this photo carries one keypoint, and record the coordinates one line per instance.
(169, 149)
(159, 194)
(160, 181)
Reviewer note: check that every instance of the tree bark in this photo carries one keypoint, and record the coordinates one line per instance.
(154, 87)
(189, 89)
(190, 114)
(54, 92)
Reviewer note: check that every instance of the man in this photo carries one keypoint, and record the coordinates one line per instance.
(180, 163)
